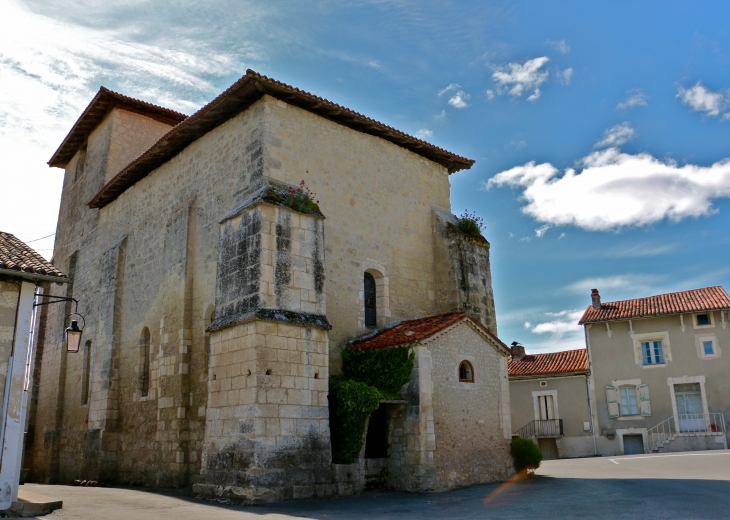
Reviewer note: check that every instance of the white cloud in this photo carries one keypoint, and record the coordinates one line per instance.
(539, 232)
(566, 322)
(490, 94)
(51, 68)
(616, 190)
(701, 99)
(517, 79)
(562, 235)
(459, 99)
(565, 76)
(518, 144)
(616, 135)
(636, 98)
(559, 45)
(633, 283)
(424, 133)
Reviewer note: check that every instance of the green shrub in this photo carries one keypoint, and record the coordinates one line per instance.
(387, 369)
(351, 403)
(526, 454)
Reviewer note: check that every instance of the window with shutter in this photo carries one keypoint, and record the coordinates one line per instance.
(644, 400)
(612, 400)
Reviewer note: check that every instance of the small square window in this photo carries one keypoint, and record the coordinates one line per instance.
(703, 319)
(653, 352)
(708, 348)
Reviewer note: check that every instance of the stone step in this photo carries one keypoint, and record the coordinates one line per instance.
(31, 504)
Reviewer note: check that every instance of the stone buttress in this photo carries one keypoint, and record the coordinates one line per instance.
(267, 429)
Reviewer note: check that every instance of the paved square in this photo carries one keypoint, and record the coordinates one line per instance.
(663, 486)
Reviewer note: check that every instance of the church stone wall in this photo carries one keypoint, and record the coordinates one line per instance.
(377, 198)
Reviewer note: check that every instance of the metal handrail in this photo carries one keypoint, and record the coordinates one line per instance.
(659, 435)
(541, 428)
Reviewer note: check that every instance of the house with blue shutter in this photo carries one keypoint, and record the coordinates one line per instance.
(658, 377)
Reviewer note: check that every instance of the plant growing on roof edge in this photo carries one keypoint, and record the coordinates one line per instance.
(470, 224)
(301, 199)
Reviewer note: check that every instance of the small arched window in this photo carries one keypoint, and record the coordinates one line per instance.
(144, 353)
(371, 315)
(86, 374)
(466, 372)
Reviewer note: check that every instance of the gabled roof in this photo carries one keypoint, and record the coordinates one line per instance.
(697, 300)
(422, 330)
(239, 96)
(16, 257)
(104, 101)
(552, 363)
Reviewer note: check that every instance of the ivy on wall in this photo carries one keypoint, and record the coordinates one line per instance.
(369, 377)
(387, 369)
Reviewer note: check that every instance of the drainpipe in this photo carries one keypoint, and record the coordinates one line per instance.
(588, 389)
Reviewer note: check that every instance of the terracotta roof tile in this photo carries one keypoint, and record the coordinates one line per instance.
(239, 96)
(15, 255)
(567, 362)
(419, 330)
(695, 300)
(97, 109)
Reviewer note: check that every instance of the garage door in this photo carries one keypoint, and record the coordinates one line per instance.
(633, 444)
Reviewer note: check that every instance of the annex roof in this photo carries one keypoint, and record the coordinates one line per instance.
(104, 101)
(696, 300)
(17, 257)
(239, 96)
(418, 331)
(552, 363)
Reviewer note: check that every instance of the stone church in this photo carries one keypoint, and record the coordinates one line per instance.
(215, 314)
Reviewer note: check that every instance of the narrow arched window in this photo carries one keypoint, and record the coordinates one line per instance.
(144, 353)
(86, 374)
(371, 315)
(466, 372)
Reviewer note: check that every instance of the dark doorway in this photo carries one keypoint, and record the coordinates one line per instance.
(549, 448)
(376, 441)
(633, 444)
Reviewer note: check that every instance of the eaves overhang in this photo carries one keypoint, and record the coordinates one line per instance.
(237, 98)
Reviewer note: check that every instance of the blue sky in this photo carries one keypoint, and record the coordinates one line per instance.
(599, 130)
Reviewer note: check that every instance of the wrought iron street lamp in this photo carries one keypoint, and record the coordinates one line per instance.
(73, 333)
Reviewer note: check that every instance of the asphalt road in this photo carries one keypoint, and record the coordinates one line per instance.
(662, 486)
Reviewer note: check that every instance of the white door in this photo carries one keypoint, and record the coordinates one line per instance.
(689, 408)
(547, 410)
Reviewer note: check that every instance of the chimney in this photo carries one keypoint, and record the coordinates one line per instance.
(595, 299)
(518, 351)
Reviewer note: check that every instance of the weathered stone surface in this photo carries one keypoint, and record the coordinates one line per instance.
(233, 289)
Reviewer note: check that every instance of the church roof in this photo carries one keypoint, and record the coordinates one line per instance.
(239, 96)
(422, 330)
(16, 255)
(695, 300)
(104, 101)
(551, 363)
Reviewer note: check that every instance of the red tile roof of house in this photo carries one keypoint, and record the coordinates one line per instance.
(697, 300)
(237, 98)
(422, 329)
(16, 255)
(104, 101)
(568, 362)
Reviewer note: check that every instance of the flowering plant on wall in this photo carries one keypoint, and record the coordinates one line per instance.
(301, 199)
(470, 224)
